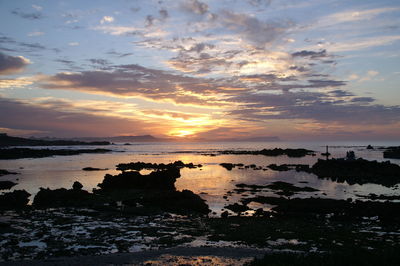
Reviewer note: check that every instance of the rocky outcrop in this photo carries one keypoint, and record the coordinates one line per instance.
(358, 171)
(14, 200)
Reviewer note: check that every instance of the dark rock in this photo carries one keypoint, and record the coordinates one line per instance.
(350, 155)
(392, 153)
(358, 171)
(94, 169)
(5, 172)
(275, 167)
(287, 167)
(6, 185)
(273, 152)
(225, 214)
(77, 186)
(18, 153)
(161, 180)
(47, 198)
(181, 202)
(369, 147)
(373, 196)
(227, 166)
(14, 200)
(388, 211)
(237, 208)
(138, 166)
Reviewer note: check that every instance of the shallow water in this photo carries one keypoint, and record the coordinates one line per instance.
(210, 181)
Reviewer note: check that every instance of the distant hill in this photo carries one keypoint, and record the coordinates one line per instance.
(6, 140)
(143, 138)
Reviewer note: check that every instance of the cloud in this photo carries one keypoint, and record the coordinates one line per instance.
(361, 43)
(35, 33)
(73, 44)
(37, 8)
(12, 64)
(21, 115)
(251, 28)
(310, 54)
(353, 16)
(106, 19)
(15, 83)
(258, 3)
(315, 106)
(195, 7)
(30, 16)
(163, 14)
(138, 81)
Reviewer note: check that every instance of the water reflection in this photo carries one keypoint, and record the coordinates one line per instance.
(211, 180)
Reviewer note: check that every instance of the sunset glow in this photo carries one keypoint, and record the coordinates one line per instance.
(199, 69)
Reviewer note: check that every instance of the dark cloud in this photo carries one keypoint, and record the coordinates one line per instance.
(31, 16)
(22, 47)
(313, 106)
(195, 6)
(311, 54)
(163, 14)
(340, 93)
(259, 3)
(12, 64)
(362, 100)
(118, 54)
(149, 21)
(135, 81)
(251, 28)
(99, 61)
(321, 83)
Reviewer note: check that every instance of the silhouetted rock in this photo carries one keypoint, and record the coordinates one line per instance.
(273, 152)
(18, 153)
(392, 153)
(350, 155)
(373, 196)
(287, 189)
(138, 166)
(160, 180)
(181, 202)
(5, 172)
(77, 185)
(287, 167)
(275, 167)
(343, 209)
(227, 166)
(225, 214)
(94, 169)
(48, 198)
(369, 147)
(6, 184)
(358, 171)
(237, 208)
(14, 200)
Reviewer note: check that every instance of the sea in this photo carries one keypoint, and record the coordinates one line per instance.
(211, 181)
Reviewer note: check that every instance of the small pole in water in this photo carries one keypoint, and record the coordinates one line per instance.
(326, 153)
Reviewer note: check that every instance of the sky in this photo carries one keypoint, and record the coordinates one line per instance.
(201, 70)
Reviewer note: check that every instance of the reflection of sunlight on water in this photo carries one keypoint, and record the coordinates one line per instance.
(212, 180)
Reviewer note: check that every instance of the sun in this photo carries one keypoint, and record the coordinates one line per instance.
(182, 133)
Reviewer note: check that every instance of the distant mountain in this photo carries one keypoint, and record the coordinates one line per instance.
(6, 140)
(143, 138)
